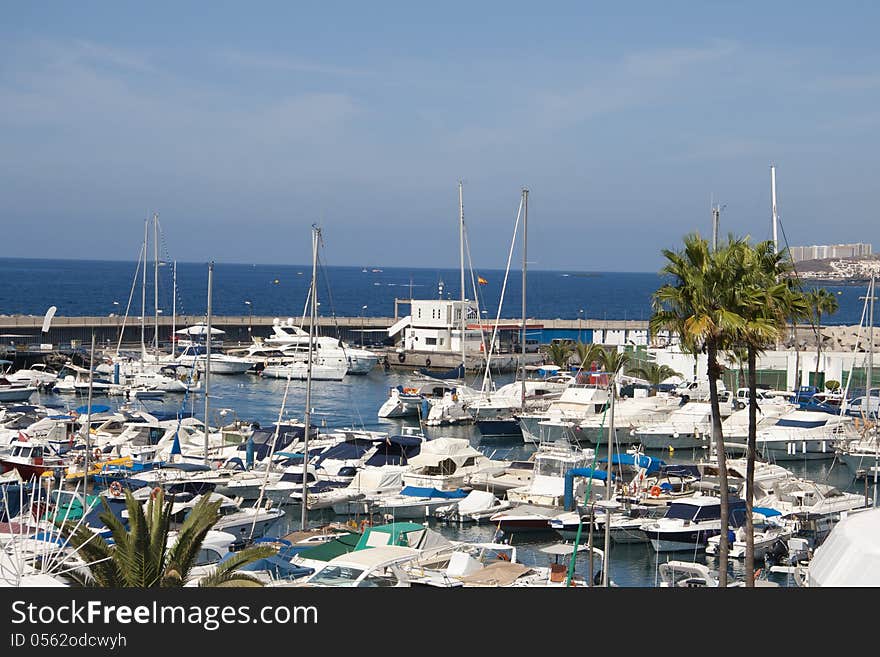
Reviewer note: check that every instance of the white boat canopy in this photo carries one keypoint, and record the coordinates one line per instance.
(850, 556)
(199, 329)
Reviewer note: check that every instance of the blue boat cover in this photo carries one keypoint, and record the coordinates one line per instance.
(418, 491)
(601, 475)
(651, 464)
(766, 511)
(805, 424)
(350, 449)
(82, 410)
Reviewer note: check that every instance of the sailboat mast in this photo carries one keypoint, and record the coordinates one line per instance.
(868, 383)
(144, 294)
(156, 280)
(89, 418)
(609, 497)
(461, 255)
(316, 232)
(774, 217)
(173, 306)
(207, 355)
(525, 200)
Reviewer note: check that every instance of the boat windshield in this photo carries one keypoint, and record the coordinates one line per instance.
(336, 576)
(682, 511)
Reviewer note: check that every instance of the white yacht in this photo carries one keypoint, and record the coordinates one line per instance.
(299, 371)
(547, 484)
(686, 427)
(292, 339)
(690, 522)
(576, 402)
(800, 435)
(194, 356)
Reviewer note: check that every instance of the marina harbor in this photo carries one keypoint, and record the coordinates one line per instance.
(300, 296)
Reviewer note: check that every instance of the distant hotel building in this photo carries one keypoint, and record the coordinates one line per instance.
(824, 251)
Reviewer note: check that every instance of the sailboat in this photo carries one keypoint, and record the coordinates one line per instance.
(862, 455)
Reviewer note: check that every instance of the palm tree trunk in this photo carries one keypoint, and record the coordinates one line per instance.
(750, 467)
(713, 370)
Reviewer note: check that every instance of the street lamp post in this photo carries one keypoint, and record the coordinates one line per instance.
(580, 317)
(250, 316)
(363, 310)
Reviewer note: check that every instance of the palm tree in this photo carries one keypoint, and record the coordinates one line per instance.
(820, 302)
(767, 298)
(559, 353)
(140, 555)
(588, 353)
(654, 374)
(697, 305)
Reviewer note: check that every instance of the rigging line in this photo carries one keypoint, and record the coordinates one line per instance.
(130, 297)
(504, 286)
(853, 364)
(474, 285)
(272, 453)
(813, 324)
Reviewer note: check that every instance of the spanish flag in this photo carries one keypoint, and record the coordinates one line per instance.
(482, 281)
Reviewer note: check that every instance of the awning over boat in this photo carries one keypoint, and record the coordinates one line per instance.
(331, 549)
(766, 511)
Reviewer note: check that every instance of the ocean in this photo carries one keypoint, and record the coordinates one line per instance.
(96, 288)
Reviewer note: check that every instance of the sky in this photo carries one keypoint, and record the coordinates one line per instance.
(242, 124)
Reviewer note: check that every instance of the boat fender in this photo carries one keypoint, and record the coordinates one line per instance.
(427, 362)
(97, 454)
(655, 491)
(401, 356)
(155, 493)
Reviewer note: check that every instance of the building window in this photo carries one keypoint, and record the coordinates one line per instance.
(430, 340)
(440, 341)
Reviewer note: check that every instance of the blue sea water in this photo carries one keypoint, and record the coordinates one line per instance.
(90, 287)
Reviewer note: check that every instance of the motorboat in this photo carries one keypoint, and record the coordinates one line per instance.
(805, 499)
(446, 463)
(479, 505)
(376, 567)
(249, 522)
(690, 522)
(415, 502)
(576, 402)
(367, 483)
(686, 427)
(38, 374)
(402, 402)
(516, 474)
(800, 435)
(299, 371)
(15, 391)
(685, 574)
(769, 537)
(194, 356)
(525, 518)
(31, 459)
(547, 485)
(75, 379)
(293, 339)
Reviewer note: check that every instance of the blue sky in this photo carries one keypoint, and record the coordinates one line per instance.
(244, 123)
